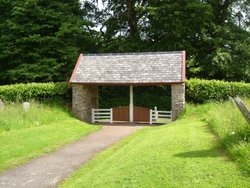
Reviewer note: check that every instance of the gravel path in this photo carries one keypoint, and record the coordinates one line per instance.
(51, 169)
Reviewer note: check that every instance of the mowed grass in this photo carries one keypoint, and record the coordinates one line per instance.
(229, 125)
(183, 154)
(233, 130)
(26, 135)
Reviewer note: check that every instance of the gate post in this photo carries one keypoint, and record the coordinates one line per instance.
(131, 105)
(156, 113)
(150, 117)
(93, 115)
(111, 115)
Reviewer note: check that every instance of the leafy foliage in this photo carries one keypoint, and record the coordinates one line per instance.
(214, 33)
(55, 92)
(200, 91)
(197, 91)
(40, 39)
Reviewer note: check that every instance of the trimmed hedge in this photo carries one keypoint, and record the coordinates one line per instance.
(56, 92)
(197, 91)
(200, 91)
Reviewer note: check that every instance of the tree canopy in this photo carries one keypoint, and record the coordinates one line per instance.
(41, 39)
(213, 32)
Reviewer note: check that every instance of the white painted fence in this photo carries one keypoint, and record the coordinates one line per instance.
(160, 116)
(102, 115)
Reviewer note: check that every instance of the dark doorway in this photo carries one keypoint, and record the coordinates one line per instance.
(145, 96)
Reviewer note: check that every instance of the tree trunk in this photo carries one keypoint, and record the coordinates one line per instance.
(132, 18)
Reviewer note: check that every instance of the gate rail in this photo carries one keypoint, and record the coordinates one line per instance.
(106, 116)
(102, 115)
(158, 116)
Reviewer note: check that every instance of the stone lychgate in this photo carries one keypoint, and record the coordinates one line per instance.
(130, 69)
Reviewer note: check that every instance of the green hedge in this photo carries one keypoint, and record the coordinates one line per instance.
(197, 91)
(200, 91)
(57, 92)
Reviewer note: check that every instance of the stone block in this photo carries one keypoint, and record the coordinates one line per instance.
(178, 99)
(84, 98)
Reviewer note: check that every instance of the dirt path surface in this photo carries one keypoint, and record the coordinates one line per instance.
(51, 169)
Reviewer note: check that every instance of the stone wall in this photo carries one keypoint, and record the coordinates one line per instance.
(178, 99)
(84, 98)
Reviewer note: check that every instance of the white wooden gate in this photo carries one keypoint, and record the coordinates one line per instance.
(160, 116)
(102, 115)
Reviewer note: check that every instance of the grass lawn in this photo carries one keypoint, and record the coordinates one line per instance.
(183, 154)
(229, 124)
(43, 129)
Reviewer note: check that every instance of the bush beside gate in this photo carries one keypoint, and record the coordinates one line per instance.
(201, 91)
(197, 91)
(56, 92)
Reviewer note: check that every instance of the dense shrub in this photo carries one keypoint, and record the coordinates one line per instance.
(56, 92)
(200, 91)
(197, 91)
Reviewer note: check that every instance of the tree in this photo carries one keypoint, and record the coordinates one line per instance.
(41, 39)
(213, 32)
(224, 53)
(241, 13)
(121, 23)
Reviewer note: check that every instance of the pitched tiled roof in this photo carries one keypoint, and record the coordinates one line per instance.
(130, 68)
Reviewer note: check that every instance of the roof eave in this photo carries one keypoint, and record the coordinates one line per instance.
(74, 71)
(125, 84)
(183, 66)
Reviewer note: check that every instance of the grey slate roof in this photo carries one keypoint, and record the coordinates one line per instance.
(129, 68)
